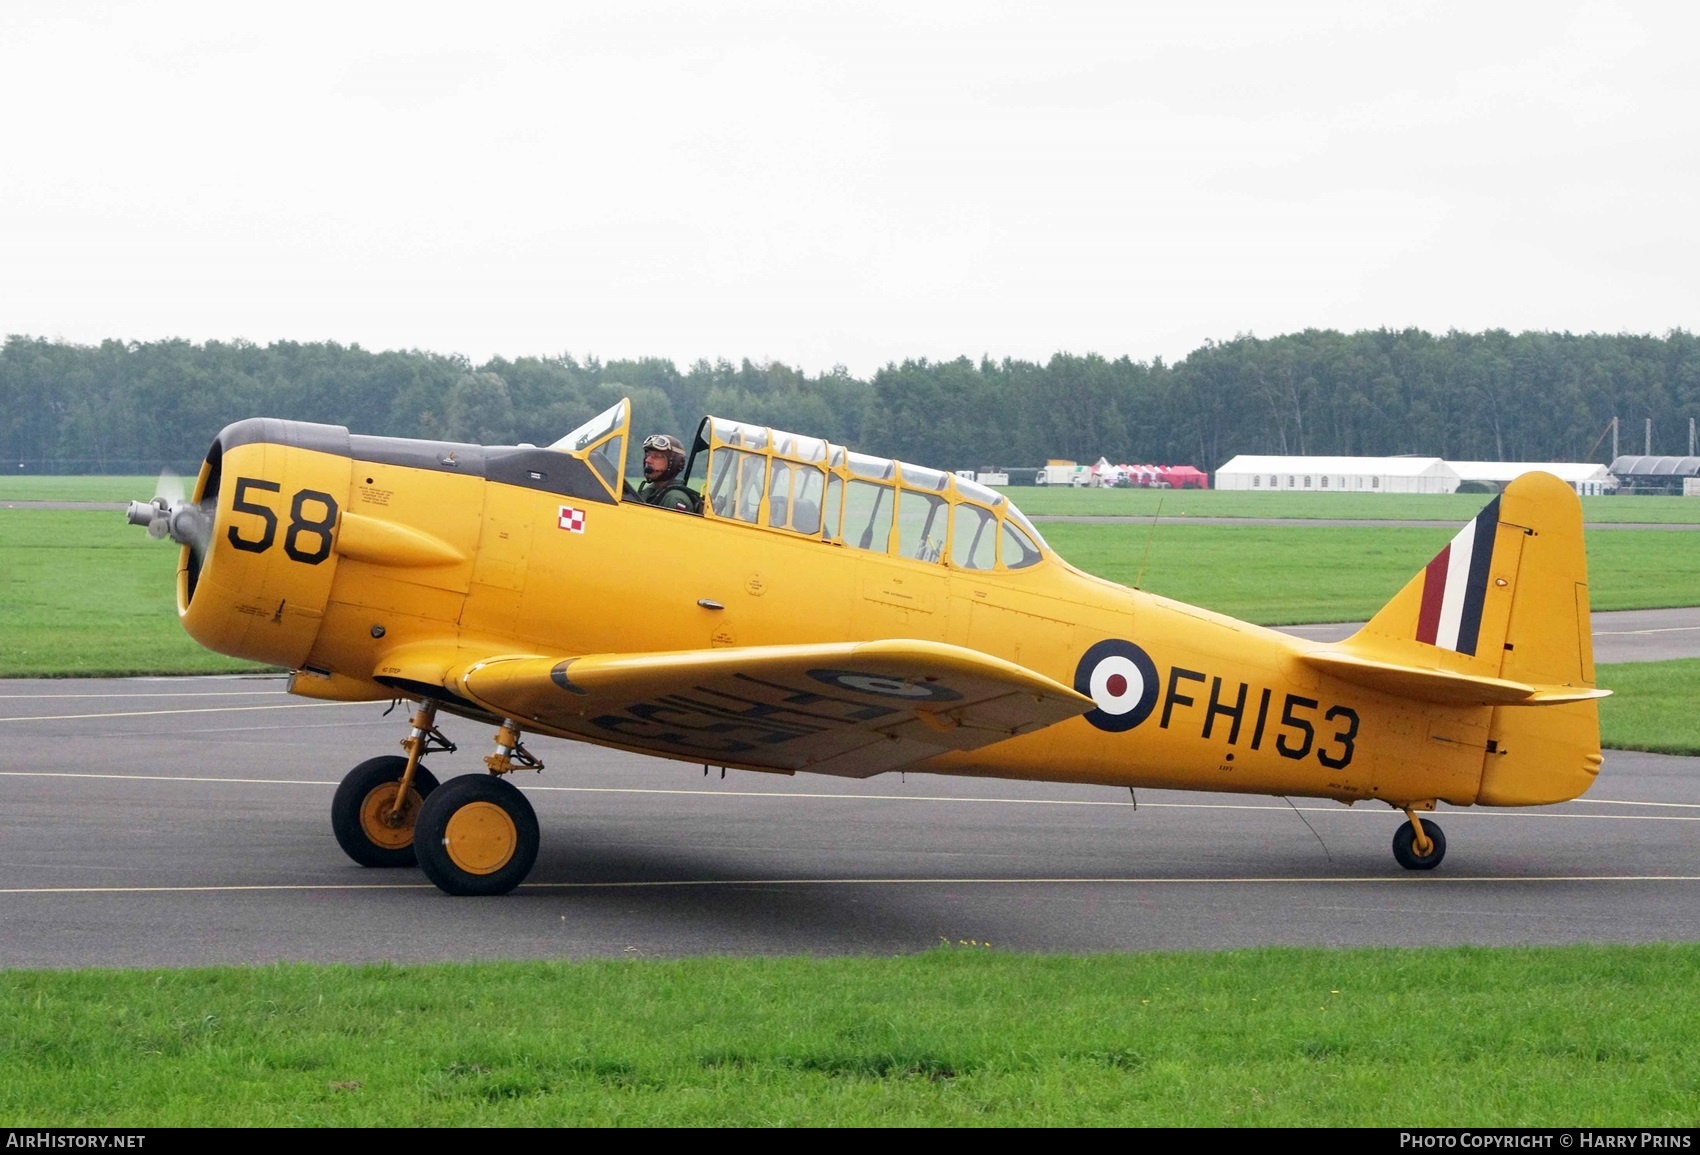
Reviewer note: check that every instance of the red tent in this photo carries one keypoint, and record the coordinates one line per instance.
(1183, 477)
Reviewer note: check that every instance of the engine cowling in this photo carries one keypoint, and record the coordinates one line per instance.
(260, 587)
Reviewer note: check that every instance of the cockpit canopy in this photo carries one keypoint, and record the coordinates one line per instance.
(806, 486)
(812, 488)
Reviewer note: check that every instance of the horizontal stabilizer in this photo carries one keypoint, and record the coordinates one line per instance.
(1446, 687)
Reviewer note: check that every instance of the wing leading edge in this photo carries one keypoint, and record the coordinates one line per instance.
(853, 709)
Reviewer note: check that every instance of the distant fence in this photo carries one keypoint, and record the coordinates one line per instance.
(90, 466)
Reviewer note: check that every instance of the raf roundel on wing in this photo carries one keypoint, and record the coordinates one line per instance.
(884, 686)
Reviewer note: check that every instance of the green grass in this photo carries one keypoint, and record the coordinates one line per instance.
(1284, 575)
(31, 488)
(1571, 1036)
(1576, 1036)
(1055, 500)
(1046, 501)
(1651, 707)
(83, 593)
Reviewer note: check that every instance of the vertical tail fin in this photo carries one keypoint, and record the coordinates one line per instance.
(1507, 599)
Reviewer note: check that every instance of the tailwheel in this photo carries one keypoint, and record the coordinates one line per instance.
(1408, 849)
(476, 835)
(365, 817)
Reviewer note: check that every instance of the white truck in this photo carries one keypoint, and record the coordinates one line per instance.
(1058, 472)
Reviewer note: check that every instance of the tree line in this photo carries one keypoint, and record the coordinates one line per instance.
(126, 407)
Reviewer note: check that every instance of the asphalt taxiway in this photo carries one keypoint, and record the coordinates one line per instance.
(184, 821)
(1619, 636)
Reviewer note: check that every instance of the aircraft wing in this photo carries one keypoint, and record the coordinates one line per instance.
(855, 708)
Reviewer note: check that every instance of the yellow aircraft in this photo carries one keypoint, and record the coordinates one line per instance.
(843, 614)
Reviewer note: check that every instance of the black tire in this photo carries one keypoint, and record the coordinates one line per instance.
(1404, 846)
(361, 793)
(466, 845)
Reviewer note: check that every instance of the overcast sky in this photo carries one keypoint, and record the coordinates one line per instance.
(824, 183)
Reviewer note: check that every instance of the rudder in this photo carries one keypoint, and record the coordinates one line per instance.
(1551, 754)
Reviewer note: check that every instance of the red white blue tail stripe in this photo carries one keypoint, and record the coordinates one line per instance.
(1455, 586)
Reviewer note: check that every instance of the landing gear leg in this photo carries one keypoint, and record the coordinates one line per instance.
(377, 803)
(478, 834)
(1418, 845)
(510, 755)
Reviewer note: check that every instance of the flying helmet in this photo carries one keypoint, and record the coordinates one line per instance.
(671, 446)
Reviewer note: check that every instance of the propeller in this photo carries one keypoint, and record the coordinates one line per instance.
(169, 486)
(171, 514)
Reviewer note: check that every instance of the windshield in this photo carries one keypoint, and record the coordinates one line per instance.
(593, 430)
(601, 442)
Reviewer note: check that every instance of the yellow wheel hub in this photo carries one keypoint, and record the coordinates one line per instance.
(480, 838)
(377, 824)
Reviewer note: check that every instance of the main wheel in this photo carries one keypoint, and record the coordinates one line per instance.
(477, 834)
(1405, 847)
(360, 812)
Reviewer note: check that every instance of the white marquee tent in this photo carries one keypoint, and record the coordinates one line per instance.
(1337, 474)
(1393, 474)
(1587, 479)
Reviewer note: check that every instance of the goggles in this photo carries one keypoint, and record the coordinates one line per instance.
(663, 443)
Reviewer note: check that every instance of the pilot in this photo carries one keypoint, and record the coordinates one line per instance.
(663, 460)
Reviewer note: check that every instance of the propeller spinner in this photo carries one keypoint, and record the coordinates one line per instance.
(170, 514)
